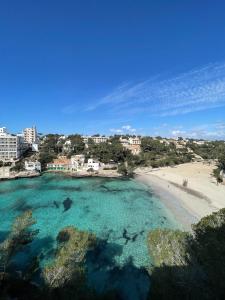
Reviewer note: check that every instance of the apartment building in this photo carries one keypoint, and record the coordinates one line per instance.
(96, 139)
(30, 135)
(11, 146)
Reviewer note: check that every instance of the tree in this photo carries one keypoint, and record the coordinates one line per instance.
(21, 234)
(77, 145)
(189, 266)
(221, 161)
(66, 273)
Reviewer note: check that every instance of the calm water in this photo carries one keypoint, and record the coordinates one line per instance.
(119, 212)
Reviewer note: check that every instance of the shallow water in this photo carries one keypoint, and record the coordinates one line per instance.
(120, 212)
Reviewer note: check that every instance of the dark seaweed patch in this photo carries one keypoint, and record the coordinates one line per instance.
(67, 204)
(21, 205)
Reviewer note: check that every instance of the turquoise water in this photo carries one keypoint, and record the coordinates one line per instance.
(120, 212)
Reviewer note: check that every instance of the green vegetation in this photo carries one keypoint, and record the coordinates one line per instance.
(49, 148)
(67, 273)
(64, 278)
(126, 169)
(19, 166)
(186, 265)
(77, 145)
(189, 266)
(109, 151)
(21, 234)
(208, 150)
(156, 153)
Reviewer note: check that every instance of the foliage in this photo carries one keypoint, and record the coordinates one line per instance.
(67, 268)
(189, 266)
(168, 246)
(208, 150)
(19, 166)
(45, 158)
(111, 151)
(50, 144)
(77, 145)
(126, 169)
(216, 173)
(20, 235)
(221, 161)
(159, 154)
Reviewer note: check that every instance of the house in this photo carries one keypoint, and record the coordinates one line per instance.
(32, 166)
(60, 164)
(78, 160)
(93, 164)
(132, 143)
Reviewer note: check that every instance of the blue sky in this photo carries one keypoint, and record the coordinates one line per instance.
(146, 67)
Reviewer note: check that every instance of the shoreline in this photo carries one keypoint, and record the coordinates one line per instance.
(86, 175)
(68, 174)
(20, 176)
(201, 197)
(170, 198)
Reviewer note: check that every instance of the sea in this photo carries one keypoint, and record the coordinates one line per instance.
(120, 212)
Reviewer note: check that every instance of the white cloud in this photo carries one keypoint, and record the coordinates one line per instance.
(125, 129)
(211, 131)
(177, 133)
(199, 89)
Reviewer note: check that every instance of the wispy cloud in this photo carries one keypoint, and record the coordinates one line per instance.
(124, 129)
(196, 90)
(213, 131)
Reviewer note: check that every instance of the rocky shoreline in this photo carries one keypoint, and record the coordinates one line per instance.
(85, 174)
(82, 174)
(20, 175)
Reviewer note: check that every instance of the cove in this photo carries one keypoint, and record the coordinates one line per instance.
(120, 212)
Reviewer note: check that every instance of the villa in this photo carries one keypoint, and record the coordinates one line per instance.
(132, 143)
(32, 166)
(93, 164)
(60, 164)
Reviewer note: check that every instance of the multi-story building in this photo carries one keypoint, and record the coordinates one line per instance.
(30, 135)
(11, 146)
(96, 139)
(132, 143)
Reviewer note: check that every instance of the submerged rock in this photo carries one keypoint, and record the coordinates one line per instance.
(56, 204)
(67, 204)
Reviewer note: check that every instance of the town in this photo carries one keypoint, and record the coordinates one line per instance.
(29, 153)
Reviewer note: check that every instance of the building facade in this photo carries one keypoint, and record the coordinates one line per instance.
(96, 139)
(32, 166)
(11, 146)
(30, 135)
(132, 143)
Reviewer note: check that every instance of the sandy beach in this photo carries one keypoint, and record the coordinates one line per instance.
(201, 197)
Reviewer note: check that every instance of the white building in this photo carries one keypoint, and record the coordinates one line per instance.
(3, 130)
(78, 160)
(35, 147)
(132, 143)
(92, 164)
(11, 146)
(33, 166)
(30, 135)
(96, 139)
